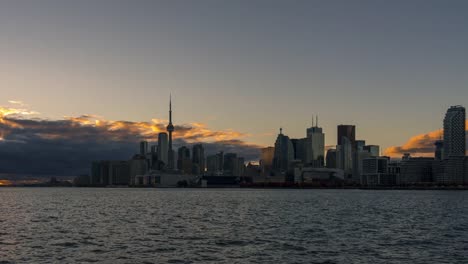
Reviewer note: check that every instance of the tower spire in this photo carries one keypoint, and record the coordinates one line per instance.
(316, 121)
(312, 120)
(170, 109)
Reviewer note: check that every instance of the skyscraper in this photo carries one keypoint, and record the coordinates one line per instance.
(454, 132)
(170, 129)
(163, 148)
(284, 153)
(348, 131)
(454, 147)
(344, 156)
(316, 144)
(198, 159)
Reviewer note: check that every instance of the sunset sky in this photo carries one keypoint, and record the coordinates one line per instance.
(237, 70)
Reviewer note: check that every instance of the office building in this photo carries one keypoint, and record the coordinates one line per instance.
(163, 148)
(416, 170)
(284, 153)
(347, 131)
(454, 132)
(315, 145)
(331, 159)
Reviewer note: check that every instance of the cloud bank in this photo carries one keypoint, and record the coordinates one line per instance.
(419, 145)
(31, 145)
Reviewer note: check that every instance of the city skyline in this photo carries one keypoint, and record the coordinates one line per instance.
(238, 71)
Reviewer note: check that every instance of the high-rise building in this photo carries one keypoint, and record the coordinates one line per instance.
(375, 172)
(454, 132)
(284, 153)
(198, 159)
(143, 148)
(170, 129)
(300, 149)
(163, 148)
(344, 156)
(454, 147)
(347, 131)
(315, 144)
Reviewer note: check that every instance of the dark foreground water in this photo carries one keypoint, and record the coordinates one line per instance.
(72, 225)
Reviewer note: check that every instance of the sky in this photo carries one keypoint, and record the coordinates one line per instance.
(241, 69)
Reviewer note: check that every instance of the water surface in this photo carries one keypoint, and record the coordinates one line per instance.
(84, 225)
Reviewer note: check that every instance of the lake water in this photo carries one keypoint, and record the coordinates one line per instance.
(84, 225)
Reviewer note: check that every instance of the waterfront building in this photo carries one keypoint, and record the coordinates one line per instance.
(375, 172)
(318, 176)
(454, 132)
(138, 165)
(416, 170)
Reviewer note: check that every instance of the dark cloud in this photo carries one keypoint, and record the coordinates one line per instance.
(67, 147)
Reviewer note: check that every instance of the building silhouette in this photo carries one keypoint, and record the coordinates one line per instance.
(346, 131)
(284, 153)
(454, 132)
(315, 145)
(163, 148)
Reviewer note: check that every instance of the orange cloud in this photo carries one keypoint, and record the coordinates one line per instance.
(5, 182)
(419, 145)
(114, 130)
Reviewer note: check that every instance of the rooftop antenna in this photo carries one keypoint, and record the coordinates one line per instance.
(312, 120)
(316, 121)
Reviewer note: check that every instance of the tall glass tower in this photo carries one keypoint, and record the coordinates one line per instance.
(454, 132)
